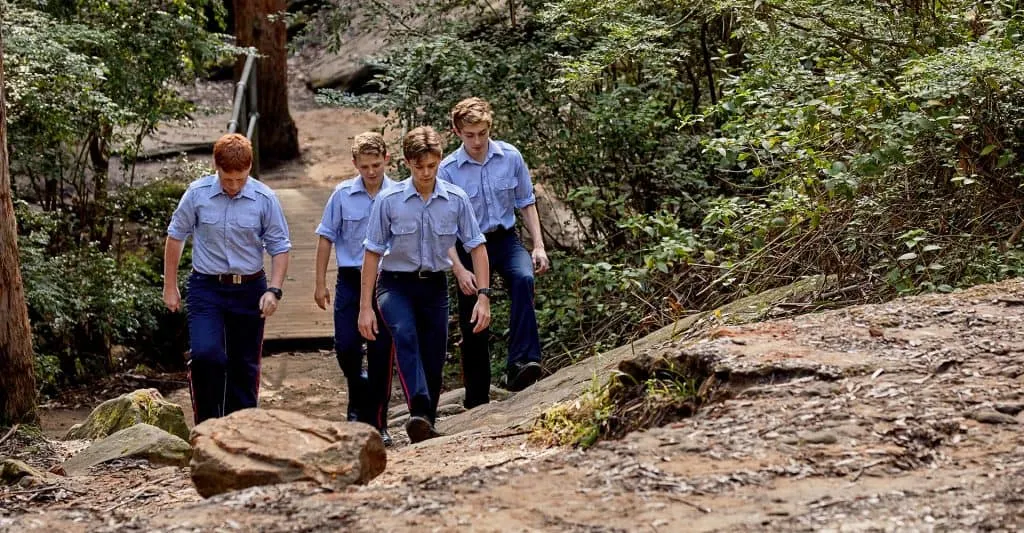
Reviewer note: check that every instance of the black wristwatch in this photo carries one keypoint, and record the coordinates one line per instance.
(486, 291)
(278, 293)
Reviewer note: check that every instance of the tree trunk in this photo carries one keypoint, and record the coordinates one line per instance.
(278, 138)
(17, 377)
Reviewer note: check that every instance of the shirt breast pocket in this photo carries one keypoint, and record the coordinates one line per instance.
(247, 227)
(210, 223)
(445, 227)
(353, 229)
(404, 230)
(248, 220)
(506, 193)
(471, 186)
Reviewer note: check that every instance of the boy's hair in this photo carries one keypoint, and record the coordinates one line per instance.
(420, 142)
(369, 143)
(472, 111)
(232, 153)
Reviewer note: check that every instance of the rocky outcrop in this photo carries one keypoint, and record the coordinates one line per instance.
(144, 406)
(266, 446)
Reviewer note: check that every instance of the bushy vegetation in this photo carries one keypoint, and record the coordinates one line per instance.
(86, 81)
(710, 150)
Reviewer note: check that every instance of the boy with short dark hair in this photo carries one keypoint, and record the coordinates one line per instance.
(417, 221)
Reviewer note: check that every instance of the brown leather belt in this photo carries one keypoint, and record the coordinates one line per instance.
(233, 279)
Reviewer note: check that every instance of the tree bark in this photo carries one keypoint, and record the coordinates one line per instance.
(276, 132)
(17, 376)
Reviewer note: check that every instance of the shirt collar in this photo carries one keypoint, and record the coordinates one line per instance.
(462, 156)
(440, 189)
(248, 190)
(359, 186)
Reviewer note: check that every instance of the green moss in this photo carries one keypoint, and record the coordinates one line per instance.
(141, 406)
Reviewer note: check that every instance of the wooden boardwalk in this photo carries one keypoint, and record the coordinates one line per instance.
(298, 317)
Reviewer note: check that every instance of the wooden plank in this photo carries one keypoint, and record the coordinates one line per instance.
(298, 317)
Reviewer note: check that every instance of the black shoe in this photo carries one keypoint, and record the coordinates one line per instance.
(386, 437)
(420, 429)
(524, 376)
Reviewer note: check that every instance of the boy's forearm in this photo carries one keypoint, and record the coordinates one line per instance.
(532, 220)
(323, 255)
(279, 269)
(368, 279)
(481, 266)
(456, 262)
(172, 256)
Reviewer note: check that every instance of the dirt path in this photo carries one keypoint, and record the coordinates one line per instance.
(872, 418)
(895, 417)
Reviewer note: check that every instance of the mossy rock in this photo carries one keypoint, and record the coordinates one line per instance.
(13, 471)
(144, 406)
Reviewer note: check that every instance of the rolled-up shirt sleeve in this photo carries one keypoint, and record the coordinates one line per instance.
(328, 227)
(275, 233)
(378, 228)
(469, 229)
(524, 187)
(183, 221)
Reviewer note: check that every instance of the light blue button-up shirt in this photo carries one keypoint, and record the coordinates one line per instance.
(496, 188)
(230, 234)
(345, 217)
(417, 233)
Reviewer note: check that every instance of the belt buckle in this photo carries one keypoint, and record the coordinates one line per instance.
(423, 274)
(236, 279)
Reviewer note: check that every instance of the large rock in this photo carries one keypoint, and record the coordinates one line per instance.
(144, 406)
(268, 446)
(345, 73)
(141, 440)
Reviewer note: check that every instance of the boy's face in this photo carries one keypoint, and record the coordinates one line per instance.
(475, 137)
(424, 168)
(232, 182)
(371, 166)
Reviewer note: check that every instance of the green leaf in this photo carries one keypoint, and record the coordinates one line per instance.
(909, 256)
(988, 150)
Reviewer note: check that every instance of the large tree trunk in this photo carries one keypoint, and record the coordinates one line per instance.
(278, 138)
(17, 378)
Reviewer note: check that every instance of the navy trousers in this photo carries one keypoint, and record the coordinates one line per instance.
(368, 392)
(509, 258)
(226, 338)
(415, 313)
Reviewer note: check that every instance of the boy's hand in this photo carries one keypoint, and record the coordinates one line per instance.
(466, 279)
(368, 324)
(321, 297)
(481, 314)
(268, 304)
(172, 298)
(541, 264)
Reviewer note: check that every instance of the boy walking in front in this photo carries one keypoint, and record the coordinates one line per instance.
(232, 220)
(417, 221)
(343, 225)
(497, 181)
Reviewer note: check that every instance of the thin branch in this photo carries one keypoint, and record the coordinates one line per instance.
(9, 433)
